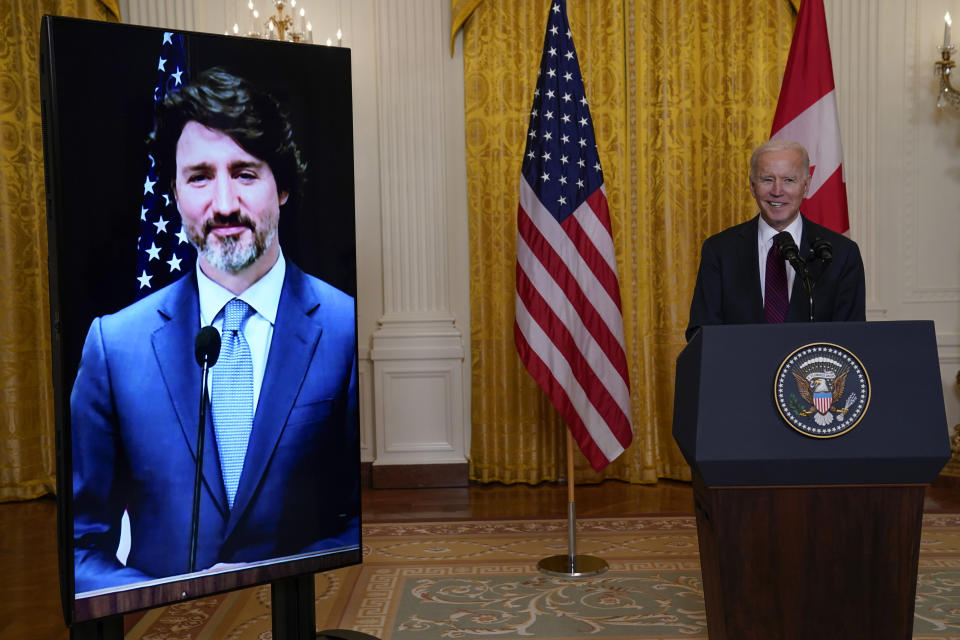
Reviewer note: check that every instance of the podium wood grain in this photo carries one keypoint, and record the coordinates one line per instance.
(832, 562)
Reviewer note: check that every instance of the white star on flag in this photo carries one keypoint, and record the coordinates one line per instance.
(161, 234)
(144, 280)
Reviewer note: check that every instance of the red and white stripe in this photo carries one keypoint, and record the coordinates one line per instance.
(569, 323)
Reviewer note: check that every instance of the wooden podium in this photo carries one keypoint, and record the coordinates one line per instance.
(804, 536)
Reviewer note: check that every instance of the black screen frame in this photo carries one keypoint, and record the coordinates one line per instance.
(95, 94)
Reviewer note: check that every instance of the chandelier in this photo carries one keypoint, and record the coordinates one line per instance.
(291, 26)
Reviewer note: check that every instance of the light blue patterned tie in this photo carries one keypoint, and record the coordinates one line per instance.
(232, 395)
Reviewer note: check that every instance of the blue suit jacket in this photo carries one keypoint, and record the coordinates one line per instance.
(728, 281)
(133, 414)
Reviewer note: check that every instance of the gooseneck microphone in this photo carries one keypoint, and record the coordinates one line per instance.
(206, 350)
(822, 251)
(789, 250)
(207, 346)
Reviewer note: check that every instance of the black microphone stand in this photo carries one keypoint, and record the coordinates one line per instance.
(821, 252)
(801, 267)
(207, 352)
(198, 473)
(808, 281)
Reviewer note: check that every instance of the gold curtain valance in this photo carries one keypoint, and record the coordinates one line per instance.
(460, 10)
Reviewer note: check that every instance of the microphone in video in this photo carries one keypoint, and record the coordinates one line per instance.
(207, 351)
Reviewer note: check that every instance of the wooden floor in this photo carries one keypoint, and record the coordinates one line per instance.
(29, 588)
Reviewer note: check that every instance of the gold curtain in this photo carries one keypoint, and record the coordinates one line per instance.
(27, 461)
(680, 93)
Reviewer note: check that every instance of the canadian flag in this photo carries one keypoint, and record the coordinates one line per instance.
(807, 113)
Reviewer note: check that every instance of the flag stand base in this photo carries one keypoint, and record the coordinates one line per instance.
(571, 564)
(581, 567)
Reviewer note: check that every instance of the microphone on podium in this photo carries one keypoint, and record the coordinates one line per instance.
(789, 250)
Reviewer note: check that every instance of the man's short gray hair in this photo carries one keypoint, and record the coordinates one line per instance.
(780, 145)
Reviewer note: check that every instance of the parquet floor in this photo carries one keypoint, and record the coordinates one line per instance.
(30, 593)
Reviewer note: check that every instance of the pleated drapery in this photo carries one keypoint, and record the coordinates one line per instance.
(27, 452)
(680, 92)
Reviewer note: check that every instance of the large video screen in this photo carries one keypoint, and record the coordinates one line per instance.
(198, 181)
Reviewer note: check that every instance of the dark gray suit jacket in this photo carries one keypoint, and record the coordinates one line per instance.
(728, 282)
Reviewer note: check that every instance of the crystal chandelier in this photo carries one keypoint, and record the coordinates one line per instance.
(291, 26)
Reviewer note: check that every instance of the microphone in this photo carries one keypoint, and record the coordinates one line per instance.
(822, 250)
(207, 346)
(207, 350)
(789, 250)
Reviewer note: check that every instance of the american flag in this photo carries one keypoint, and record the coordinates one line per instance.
(569, 324)
(163, 251)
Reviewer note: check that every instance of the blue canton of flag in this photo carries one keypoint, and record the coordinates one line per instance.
(561, 161)
(163, 251)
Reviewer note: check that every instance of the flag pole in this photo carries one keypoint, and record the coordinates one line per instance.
(571, 565)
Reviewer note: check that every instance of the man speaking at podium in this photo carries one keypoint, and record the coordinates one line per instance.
(745, 276)
(282, 427)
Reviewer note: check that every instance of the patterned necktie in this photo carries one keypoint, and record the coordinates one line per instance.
(775, 301)
(232, 395)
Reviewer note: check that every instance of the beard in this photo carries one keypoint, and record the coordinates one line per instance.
(234, 253)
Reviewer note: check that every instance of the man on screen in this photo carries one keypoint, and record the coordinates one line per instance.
(281, 432)
(741, 266)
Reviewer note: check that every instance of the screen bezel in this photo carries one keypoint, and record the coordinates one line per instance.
(314, 83)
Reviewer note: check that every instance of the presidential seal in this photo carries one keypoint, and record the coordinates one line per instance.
(822, 390)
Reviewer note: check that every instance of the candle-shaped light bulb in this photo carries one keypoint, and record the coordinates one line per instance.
(329, 42)
(236, 28)
(309, 33)
(250, 5)
(946, 30)
(339, 35)
(256, 14)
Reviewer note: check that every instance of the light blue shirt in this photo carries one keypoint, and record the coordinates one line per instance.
(264, 297)
(765, 234)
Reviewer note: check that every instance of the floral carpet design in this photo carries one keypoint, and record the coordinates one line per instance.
(463, 580)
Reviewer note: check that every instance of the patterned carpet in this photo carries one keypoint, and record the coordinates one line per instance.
(443, 580)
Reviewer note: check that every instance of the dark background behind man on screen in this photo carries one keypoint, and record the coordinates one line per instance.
(740, 267)
(271, 466)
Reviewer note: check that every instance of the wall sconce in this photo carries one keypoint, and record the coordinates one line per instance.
(948, 95)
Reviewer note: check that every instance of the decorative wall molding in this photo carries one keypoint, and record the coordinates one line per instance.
(365, 404)
(173, 14)
(418, 353)
(856, 65)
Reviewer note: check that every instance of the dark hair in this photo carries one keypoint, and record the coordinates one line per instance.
(254, 120)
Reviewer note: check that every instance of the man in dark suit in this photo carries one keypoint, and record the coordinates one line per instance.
(732, 284)
(278, 452)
